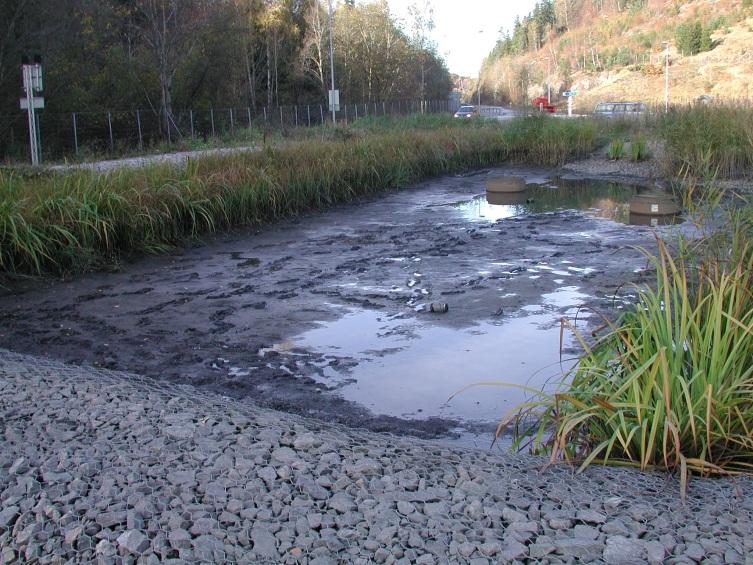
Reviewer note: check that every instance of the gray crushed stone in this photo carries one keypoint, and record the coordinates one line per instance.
(106, 467)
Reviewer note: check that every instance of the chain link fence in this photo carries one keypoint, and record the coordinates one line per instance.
(79, 135)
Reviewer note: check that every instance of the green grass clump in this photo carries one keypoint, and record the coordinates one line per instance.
(412, 122)
(547, 141)
(708, 140)
(639, 149)
(671, 386)
(616, 148)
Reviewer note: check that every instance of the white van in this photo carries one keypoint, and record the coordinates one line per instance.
(619, 109)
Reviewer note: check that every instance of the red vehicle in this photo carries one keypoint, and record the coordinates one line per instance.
(542, 104)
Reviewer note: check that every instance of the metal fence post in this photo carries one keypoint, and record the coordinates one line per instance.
(75, 133)
(356, 107)
(321, 113)
(190, 119)
(232, 124)
(308, 113)
(346, 113)
(281, 122)
(296, 115)
(265, 114)
(248, 112)
(211, 118)
(109, 127)
(138, 125)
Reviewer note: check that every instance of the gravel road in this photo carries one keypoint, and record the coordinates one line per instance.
(106, 467)
(176, 158)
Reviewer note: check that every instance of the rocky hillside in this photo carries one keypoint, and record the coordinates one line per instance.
(610, 50)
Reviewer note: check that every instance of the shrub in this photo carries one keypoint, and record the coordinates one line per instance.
(639, 149)
(693, 38)
(616, 148)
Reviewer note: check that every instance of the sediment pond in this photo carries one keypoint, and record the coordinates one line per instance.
(326, 314)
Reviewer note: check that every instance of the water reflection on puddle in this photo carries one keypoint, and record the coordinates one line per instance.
(598, 199)
(410, 367)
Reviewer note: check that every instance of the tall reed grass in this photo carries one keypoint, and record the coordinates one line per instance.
(671, 385)
(79, 220)
(707, 141)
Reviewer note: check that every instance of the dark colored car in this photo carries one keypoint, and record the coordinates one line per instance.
(467, 112)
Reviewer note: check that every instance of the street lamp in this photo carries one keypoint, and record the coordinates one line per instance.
(478, 88)
(666, 75)
(334, 97)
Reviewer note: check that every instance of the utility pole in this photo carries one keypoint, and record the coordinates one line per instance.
(549, 81)
(666, 75)
(478, 89)
(332, 93)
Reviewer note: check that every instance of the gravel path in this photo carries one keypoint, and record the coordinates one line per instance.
(177, 158)
(99, 466)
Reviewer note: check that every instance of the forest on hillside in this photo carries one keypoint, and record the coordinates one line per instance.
(562, 37)
(168, 54)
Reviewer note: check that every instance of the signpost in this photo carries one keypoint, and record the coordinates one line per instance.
(334, 101)
(570, 94)
(32, 83)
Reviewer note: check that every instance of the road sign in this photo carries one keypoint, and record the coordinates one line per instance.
(38, 103)
(569, 93)
(334, 100)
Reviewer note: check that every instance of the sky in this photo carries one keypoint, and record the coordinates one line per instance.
(466, 31)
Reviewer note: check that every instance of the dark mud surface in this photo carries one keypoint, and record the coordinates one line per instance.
(324, 315)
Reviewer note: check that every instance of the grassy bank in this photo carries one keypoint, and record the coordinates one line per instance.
(68, 222)
(709, 140)
(671, 385)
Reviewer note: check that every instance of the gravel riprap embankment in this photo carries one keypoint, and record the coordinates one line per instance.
(99, 466)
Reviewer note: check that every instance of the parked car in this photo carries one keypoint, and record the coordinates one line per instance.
(619, 109)
(467, 112)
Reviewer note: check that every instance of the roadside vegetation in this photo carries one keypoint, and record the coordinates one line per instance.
(707, 141)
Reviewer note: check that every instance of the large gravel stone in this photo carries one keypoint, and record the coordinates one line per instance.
(265, 544)
(8, 516)
(133, 541)
(624, 551)
(579, 548)
(342, 502)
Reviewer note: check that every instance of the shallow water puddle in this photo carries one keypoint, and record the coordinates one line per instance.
(599, 199)
(410, 367)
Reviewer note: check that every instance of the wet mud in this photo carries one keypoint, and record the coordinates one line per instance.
(325, 314)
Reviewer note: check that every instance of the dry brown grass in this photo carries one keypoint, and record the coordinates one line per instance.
(723, 72)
